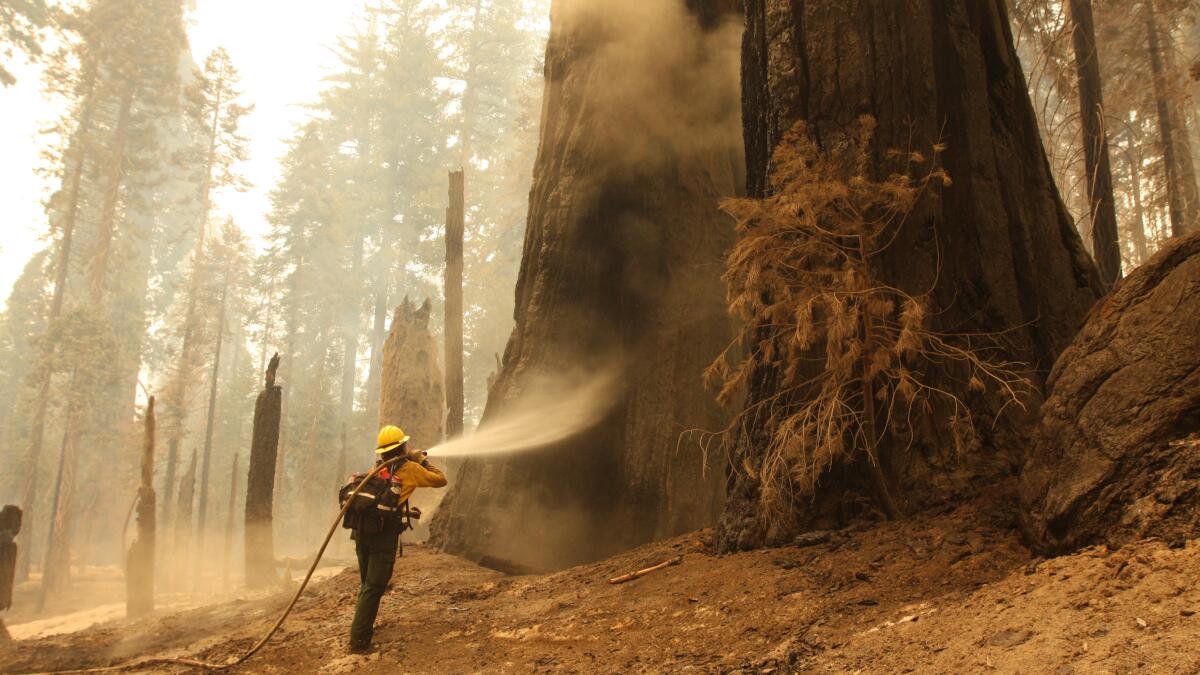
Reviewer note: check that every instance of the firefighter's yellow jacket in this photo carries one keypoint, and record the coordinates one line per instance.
(409, 476)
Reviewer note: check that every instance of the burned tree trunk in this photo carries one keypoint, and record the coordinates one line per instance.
(285, 406)
(996, 251)
(1106, 248)
(411, 395)
(10, 527)
(260, 483)
(455, 214)
(619, 275)
(139, 565)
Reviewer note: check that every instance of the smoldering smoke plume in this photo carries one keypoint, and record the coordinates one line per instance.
(640, 139)
(548, 411)
(665, 85)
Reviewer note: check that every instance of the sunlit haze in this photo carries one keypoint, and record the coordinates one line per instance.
(282, 49)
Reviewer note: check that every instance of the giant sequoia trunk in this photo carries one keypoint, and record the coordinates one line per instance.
(639, 139)
(997, 248)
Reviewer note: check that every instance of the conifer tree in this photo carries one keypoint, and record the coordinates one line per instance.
(119, 63)
(228, 261)
(216, 106)
(21, 22)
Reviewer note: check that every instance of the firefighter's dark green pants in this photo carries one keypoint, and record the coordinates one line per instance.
(376, 557)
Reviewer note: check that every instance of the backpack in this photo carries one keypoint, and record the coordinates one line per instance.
(373, 508)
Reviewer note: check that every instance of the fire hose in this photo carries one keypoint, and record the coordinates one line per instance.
(195, 663)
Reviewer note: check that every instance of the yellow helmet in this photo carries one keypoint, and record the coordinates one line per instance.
(390, 438)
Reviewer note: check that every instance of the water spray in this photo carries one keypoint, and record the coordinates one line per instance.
(552, 411)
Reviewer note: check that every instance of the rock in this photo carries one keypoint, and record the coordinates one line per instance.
(1113, 459)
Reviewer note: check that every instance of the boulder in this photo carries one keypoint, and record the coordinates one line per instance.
(1115, 456)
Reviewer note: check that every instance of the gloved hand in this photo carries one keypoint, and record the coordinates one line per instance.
(418, 456)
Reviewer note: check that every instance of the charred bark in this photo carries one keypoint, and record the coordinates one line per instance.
(619, 272)
(10, 527)
(260, 483)
(139, 565)
(1106, 248)
(996, 251)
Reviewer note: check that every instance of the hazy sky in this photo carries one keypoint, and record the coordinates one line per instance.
(281, 47)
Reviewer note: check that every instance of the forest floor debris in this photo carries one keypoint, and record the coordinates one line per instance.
(646, 570)
(947, 593)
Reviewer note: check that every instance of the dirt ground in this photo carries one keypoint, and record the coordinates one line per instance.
(952, 592)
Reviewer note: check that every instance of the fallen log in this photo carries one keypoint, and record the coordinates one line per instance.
(643, 572)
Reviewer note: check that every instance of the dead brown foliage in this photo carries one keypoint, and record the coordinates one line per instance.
(850, 352)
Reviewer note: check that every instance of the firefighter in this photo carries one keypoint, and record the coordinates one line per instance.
(377, 552)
